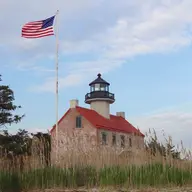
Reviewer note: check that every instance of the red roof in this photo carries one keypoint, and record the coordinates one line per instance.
(115, 123)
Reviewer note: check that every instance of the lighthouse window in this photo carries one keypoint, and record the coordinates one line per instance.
(78, 122)
(103, 87)
(130, 142)
(122, 141)
(92, 88)
(113, 139)
(97, 87)
(104, 138)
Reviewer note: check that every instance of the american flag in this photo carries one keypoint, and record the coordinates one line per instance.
(38, 29)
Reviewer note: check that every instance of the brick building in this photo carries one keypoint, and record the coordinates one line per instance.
(85, 128)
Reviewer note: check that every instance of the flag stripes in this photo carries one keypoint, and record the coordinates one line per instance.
(37, 29)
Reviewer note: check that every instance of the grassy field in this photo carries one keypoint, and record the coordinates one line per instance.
(99, 170)
(153, 175)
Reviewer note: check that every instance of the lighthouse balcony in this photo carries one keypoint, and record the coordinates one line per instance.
(99, 95)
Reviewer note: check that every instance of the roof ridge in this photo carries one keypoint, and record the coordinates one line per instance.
(114, 123)
(97, 112)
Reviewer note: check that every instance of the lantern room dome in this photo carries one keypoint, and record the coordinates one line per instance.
(99, 80)
(99, 91)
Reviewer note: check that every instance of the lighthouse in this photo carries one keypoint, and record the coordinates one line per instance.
(100, 97)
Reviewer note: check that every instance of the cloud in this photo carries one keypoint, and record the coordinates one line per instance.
(176, 124)
(107, 31)
(30, 65)
(154, 29)
(49, 85)
(161, 29)
(76, 74)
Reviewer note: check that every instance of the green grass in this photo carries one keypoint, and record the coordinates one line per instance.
(154, 175)
(10, 182)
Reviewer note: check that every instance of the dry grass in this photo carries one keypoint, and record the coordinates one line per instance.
(95, 167)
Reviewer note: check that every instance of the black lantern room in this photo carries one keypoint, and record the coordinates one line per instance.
(99, 91)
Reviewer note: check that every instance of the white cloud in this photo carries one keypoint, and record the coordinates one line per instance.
(49, 85)
(111, 32)
(31, 66)
(76, 74)
(161, 29)
(176, 124)
(154, 29)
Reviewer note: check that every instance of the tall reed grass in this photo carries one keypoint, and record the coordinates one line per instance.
(100, 167)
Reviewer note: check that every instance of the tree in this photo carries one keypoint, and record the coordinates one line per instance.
(17, 144)
(15, 147)
(7, 107)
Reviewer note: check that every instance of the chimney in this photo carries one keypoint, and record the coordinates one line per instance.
(74, 103)
(120, 114)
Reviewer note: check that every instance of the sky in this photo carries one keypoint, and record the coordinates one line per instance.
(142, 49)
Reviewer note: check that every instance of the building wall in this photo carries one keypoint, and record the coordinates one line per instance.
(102, 107)
(137, 142)
(72, 138)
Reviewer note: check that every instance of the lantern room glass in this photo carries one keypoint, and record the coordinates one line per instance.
(99, 87)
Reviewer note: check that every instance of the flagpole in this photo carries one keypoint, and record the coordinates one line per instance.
(56, 68)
